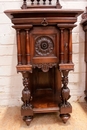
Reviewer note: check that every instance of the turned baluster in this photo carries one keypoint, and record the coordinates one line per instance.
(57, 1)
(70, 45)
(58, 4)
(32, 2)
(38, 2)
(24, 6)
(62, 47)
(44, 2)
(19, 48)
(27, 47)
(50, 2)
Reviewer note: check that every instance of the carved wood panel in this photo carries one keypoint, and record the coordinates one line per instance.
(44, 43)
(44, 46)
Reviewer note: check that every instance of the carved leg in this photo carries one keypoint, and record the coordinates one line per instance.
(26, 109)
(65, 107)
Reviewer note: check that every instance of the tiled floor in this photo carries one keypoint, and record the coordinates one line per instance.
(10, 119)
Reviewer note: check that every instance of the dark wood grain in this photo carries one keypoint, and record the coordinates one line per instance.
(44, 43)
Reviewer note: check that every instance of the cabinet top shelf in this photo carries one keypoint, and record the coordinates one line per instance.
(57, 12)
(45, 10)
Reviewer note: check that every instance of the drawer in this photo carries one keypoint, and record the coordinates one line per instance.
(43, 20)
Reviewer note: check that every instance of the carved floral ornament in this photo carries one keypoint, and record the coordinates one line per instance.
(44, 46)
(45, 66)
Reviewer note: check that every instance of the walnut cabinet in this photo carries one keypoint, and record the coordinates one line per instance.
(44, 53)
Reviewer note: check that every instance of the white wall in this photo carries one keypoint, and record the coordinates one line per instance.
(11, 82)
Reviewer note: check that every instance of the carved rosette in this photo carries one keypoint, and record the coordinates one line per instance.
(44, 46)
(45, 66)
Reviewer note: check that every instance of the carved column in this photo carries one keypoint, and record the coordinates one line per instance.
(65, 107)
(19, 47)
(70, 45)
(27, 46)
(62, 47)
(26, 109)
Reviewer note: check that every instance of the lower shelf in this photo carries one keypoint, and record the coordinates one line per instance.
(45, 101)
(45, 110)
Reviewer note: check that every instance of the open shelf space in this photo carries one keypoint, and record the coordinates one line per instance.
(45, 101)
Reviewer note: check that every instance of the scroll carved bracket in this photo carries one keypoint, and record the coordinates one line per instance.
(45, 66)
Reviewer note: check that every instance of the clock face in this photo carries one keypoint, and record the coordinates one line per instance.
(44, 46)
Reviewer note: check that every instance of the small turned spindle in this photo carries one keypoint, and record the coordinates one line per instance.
(50, 2)
(24, 6)
(44, 2)
(32, 2)
(38, 2)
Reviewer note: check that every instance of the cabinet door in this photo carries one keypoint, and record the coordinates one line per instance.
(44, 44)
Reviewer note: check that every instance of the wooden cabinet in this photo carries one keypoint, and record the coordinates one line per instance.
(84, 24)
(44, 51)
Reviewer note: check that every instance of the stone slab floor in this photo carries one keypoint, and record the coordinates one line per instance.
(10, 119)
